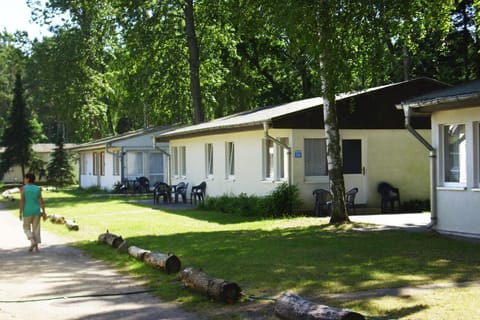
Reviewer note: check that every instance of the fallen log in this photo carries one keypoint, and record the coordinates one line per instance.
(168, 262)
(55, 218)
(71, 224)
(290, 306)
(137, 253)
(113, 240)
(218, 289)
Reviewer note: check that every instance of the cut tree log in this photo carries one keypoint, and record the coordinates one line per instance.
(137, 253)
(55, 218)
(168, 262)
(290, 306)
(218, 289)
(113, 240)
(71, 224)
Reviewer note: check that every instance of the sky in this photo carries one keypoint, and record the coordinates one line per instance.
(15, 15)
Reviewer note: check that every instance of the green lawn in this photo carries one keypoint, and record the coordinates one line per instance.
(267, 257)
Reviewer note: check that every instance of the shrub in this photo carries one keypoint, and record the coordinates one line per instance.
(283, 201)
(416, 205)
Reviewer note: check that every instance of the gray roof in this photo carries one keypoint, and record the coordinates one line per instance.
(256, 117)
(460, 96)
(127, 135)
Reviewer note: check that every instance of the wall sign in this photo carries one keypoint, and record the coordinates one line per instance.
(298, 153)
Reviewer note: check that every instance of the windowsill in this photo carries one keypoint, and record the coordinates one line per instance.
(476, 189)
(452, 188)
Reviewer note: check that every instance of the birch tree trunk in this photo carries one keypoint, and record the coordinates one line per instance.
(326, 33)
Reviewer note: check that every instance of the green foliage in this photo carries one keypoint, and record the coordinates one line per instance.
(18, 136)
(59, 170)
(416, 205)
(282, 202)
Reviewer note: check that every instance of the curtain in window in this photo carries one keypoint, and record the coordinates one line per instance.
(315, 157)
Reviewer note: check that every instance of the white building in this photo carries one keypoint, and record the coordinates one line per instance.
(455, 148)
(125, 157)
(254, 151)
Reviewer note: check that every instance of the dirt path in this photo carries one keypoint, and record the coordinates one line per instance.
(32, 284)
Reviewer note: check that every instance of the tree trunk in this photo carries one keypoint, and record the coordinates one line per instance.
(137, 253)
(334, 152)
(194, 62)
(168, 262)
(290, 306)
(56, 219)
(218, 289)
(71, 224)
(113, 240)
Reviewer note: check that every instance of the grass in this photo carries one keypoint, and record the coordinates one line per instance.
(267, 257)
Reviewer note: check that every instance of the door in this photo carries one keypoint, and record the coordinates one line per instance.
(353, 155)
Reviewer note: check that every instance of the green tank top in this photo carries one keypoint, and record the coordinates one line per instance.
(31, 205)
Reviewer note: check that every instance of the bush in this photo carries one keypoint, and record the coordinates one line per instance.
(416, 205)
(284, 201)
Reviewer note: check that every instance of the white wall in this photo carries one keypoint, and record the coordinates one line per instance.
(392, 155)
(457, 208)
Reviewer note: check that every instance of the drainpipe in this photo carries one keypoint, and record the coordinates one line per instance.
(266, 126)
(169, 165)
(433, 166)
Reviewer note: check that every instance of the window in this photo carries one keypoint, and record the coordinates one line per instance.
(315, 157)
(454, 154)
(275, 158)
(116, 163)
(156, 168)
(269, 159)
(99, 163)
(135, 164)
(230, 160)
(208, 160)
(179, 166)
(83, 164)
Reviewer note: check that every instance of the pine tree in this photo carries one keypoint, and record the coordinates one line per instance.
(18, 136)
(59, 169)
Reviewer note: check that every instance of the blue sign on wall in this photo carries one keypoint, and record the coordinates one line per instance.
(298, 153)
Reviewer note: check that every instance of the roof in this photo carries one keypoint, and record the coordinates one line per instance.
(44, 147)
(124, 136)
(460, 96)
(256, 117)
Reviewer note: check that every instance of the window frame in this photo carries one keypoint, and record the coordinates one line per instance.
(229, 160)
(208, 160)
(275, 159)
(314, 177)
(460, 159)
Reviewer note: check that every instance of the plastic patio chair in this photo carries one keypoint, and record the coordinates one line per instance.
(389, 195)
(323, 202)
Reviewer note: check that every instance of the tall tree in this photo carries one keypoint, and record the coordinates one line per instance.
(59, 169)
(18, 136)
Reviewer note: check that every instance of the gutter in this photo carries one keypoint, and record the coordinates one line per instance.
(266, 126)
(169, 164)
(433, 165)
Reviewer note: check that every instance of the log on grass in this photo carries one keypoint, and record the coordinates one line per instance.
(55, 218)
(167, 262)
(71, 224)
(137, 253)
(111, 239)
(291, 306)
(218, 289)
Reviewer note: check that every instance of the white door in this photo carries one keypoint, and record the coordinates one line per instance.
(354, 163)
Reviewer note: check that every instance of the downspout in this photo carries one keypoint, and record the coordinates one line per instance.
(169, 165)
(266, 126)
(433, 166)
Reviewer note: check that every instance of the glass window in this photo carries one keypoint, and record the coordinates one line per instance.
(83, 164)
(316, 157)
(454, 154)
(275, 159)
(230, 159)
(156, 168)
(182, 153)
(175, 161)
(283, 159)
(269, 159)
(116, 163)
(135, 164)
(209, 159)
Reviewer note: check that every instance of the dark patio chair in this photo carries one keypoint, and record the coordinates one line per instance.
(181, 190)
(389, 195)
(161, 189)
(323, 202)
(350, 199)
(142, 184)
(198, 192)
